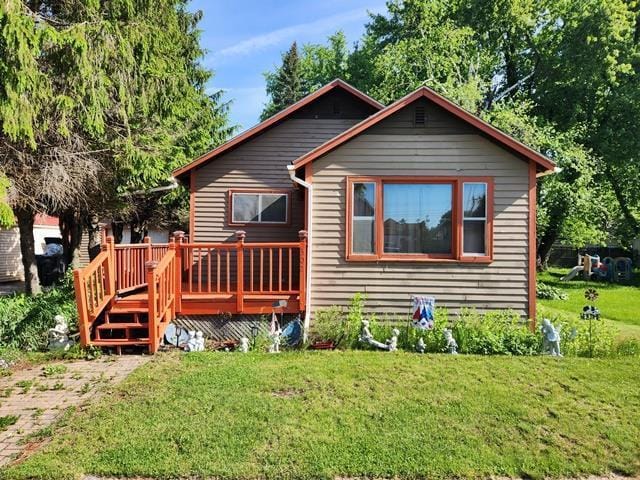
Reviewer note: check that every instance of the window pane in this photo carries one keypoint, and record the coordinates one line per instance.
(245, 208)
(363, 236)
(363, 231)
(475, 200)
(474, 236)
(417, 218)
(364, 195)
(274, 208)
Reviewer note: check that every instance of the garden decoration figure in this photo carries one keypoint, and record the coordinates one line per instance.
(451, 344)
(423, 312)
(366, 337)
(275, 335)
(420, 346)
(551, 338)
(392, 344)
(199, 346)
(244, 345)
(59, 335)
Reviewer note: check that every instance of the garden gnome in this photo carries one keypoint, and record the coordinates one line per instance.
(551, 338)
(244, 345)
(191, 342)
(393, 343)
(199, 343)
(367, 337)
(451, 344)
(59, 335)
(420, 346)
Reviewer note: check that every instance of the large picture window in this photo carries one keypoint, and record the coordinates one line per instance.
(264, 207)
(436, 218)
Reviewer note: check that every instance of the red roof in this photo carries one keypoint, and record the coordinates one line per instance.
(500, 137)
(283, 114)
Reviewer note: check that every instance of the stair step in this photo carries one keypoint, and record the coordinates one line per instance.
(122, 325)
(120, 342)
(119, 309)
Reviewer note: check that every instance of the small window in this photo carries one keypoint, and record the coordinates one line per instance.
(364, 201)
(259, 207)
(420, 118)
(474, 228)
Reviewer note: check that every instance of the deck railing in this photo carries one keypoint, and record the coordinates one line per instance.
(180, 271)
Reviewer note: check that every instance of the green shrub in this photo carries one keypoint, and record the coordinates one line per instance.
(549, 292)
(24, 321)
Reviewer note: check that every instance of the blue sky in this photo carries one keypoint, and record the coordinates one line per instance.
(245, 38)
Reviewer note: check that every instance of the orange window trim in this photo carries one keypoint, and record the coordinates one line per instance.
(456, 256)
(282, 191)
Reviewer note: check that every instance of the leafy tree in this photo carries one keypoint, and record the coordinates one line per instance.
(284, 86)
(6, 214)
(320, 64)
(97, 100)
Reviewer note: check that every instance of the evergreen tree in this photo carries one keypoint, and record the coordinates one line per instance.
(284, 86)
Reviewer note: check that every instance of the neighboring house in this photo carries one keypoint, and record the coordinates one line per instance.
(10, 257)
(332, 196)
(420, 197)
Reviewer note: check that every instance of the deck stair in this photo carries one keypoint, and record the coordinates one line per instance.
(129, 294)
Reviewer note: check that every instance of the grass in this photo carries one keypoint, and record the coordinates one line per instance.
(617, 302)
(373, 414)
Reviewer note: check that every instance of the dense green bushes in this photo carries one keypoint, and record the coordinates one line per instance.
(493, 333)
(24, 321)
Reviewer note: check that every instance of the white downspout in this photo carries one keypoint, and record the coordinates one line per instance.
(309, 187)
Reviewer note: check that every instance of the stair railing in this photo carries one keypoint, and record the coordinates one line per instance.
(95, 288)
(161, 284)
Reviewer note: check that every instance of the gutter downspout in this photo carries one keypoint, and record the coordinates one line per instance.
(307, 313)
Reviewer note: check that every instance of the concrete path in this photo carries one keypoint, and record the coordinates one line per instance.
(33, 398)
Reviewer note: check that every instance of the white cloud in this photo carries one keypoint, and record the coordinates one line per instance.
(277, 37)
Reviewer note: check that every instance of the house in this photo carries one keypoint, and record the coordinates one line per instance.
(337, 194)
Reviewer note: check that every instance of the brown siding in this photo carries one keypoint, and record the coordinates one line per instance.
(260, 163)
(396, 147)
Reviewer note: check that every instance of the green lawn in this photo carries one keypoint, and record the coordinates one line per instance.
(329, 414)
(617, 302)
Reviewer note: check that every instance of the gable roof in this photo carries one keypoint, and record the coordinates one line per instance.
(500, 137)
(278, 117)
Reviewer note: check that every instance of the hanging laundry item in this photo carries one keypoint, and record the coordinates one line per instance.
(423, 312)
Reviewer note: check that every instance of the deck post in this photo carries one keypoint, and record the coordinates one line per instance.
(240, 236)
(81, 303)
(148, 251)
(152, 304)
(110, 280)
(303, 269)
(172, 280)
(178, 236)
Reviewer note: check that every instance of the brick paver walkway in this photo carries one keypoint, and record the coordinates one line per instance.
(38, 395)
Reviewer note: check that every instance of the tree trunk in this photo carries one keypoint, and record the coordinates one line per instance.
(27, 248)
(95, 237)
(622, 201)
(137, 232)
(544, 248)
(117, 228)
(71, 229)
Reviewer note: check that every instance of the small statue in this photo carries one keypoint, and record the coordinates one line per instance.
(59, 335)
(276, 338)
(420, 346)
(367, 337)
(191, 342)
(451, 344)
(244, 345)
(392, 344)
(550, 338)
(199, 343)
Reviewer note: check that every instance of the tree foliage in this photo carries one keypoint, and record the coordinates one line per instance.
(284, 86)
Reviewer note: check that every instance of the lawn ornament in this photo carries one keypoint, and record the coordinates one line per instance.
(392, 344)
(423, 312)
(195, 343)
(367, 337)
(275, 333)
(420, 346)
(550, 338)
(244, 345)
(59, 335)
(451, 344)
(176, 336)
(199, 346)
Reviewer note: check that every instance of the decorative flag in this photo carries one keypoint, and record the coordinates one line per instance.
(423, 312)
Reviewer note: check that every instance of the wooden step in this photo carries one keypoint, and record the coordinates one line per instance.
(123, 309)
(122, 325)
(120, 342)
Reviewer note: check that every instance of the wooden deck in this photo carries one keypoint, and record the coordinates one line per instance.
(129, 293)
